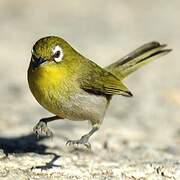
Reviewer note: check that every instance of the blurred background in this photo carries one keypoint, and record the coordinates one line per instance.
(103, 31)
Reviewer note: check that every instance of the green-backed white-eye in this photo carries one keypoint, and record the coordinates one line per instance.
(73, 87)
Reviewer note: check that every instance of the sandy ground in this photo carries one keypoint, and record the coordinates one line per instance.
(140, 136)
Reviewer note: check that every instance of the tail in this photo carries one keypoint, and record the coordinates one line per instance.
(133, 61)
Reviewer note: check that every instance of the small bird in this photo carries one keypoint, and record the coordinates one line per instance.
(73, 87)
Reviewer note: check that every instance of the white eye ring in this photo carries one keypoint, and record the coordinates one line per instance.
(57, 53)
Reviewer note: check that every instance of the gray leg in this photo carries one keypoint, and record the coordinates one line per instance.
(41, 127)
(84, 139)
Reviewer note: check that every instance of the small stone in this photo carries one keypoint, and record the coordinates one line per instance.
(2, 154)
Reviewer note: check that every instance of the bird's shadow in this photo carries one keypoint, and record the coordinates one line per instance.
(27, 144)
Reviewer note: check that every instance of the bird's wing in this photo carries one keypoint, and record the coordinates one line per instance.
(99, 81)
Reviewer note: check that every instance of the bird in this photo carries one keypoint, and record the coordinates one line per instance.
(73, 87)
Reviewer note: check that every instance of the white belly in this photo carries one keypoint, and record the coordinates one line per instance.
(84, 106)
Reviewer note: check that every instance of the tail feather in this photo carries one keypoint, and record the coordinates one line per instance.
(141, 56)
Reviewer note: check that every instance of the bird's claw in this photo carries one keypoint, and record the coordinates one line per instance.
(78, 142)
(42, 129)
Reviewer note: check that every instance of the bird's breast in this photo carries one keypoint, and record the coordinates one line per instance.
(60, 94)
(49, 84)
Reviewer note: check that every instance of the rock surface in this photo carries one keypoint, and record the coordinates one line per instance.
(140, 136)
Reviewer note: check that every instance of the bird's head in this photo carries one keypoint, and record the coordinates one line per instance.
(50, 50)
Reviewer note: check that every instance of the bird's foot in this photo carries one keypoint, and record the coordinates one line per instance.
(83, 141)
(41, 129)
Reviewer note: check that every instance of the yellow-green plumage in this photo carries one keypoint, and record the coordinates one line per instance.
(73, 87)
(133, 61)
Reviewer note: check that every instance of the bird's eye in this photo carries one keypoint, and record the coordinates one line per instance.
(57, 53)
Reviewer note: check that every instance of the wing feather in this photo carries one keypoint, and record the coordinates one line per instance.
(99, 81)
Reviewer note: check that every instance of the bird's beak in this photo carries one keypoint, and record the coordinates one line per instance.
(36, 62)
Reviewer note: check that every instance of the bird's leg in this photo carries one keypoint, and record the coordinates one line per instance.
(41, 127)
(84, 139)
